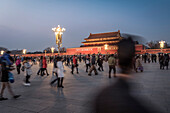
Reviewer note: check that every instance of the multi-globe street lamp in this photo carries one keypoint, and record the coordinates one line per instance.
(58, 33)
(24, 51)
(162, 43)
(106, 46)
(2, 52)
(52, 50)
(45, 52)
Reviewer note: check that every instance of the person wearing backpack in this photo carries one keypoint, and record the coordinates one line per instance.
(112, 65)
(6, 62)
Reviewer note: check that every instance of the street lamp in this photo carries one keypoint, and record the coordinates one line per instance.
(2, 52)
(58, 33)
(52, 50)
(24, 51)
(106, 47)
(162, 44)
(45, 52)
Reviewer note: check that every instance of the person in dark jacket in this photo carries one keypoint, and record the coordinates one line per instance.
(161, 61)
(100, 63)
(166, 61)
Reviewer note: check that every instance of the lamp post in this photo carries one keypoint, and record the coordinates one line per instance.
(45, 52)
(58, 33)
(162, 44)
(24, 51)
(52, 50)
(2, 52)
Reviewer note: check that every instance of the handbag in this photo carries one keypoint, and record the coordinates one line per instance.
(10, 77)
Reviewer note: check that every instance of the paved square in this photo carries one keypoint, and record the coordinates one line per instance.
(80, 91)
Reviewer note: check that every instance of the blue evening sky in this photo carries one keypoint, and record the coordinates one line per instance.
(27, 23)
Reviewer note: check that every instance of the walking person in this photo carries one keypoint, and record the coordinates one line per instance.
(40, 66)
(74, 64)
(54, 71)
(45, 66)
(87, 61)
(18, 65)
(6, 62)
(68, 60)
(149, 58)
(60, 71)
(166, 61)
(161, 61)
(28, 71)
(138, 64)
(112, 65)
(93, 63)
(145, 58)
(100, 63)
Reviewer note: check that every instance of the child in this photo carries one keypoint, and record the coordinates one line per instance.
(28, 71)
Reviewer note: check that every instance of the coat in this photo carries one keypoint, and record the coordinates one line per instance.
(18, 62)
(44, 63)
(60, 69)
(28, 70)
(111, 61)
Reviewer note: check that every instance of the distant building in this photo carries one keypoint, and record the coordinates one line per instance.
(95, 43)
(100, 39)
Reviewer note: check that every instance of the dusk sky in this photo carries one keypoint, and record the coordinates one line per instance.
(27, 23)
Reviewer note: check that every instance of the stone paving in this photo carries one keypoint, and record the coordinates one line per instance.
(80, 90)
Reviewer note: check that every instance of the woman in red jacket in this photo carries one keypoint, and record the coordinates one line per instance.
(45, 65)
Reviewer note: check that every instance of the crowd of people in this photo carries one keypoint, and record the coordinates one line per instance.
(92, 62)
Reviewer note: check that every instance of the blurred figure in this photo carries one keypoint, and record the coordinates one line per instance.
(112, 65)
(116, 98)
(6, 62)
(18, 65)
